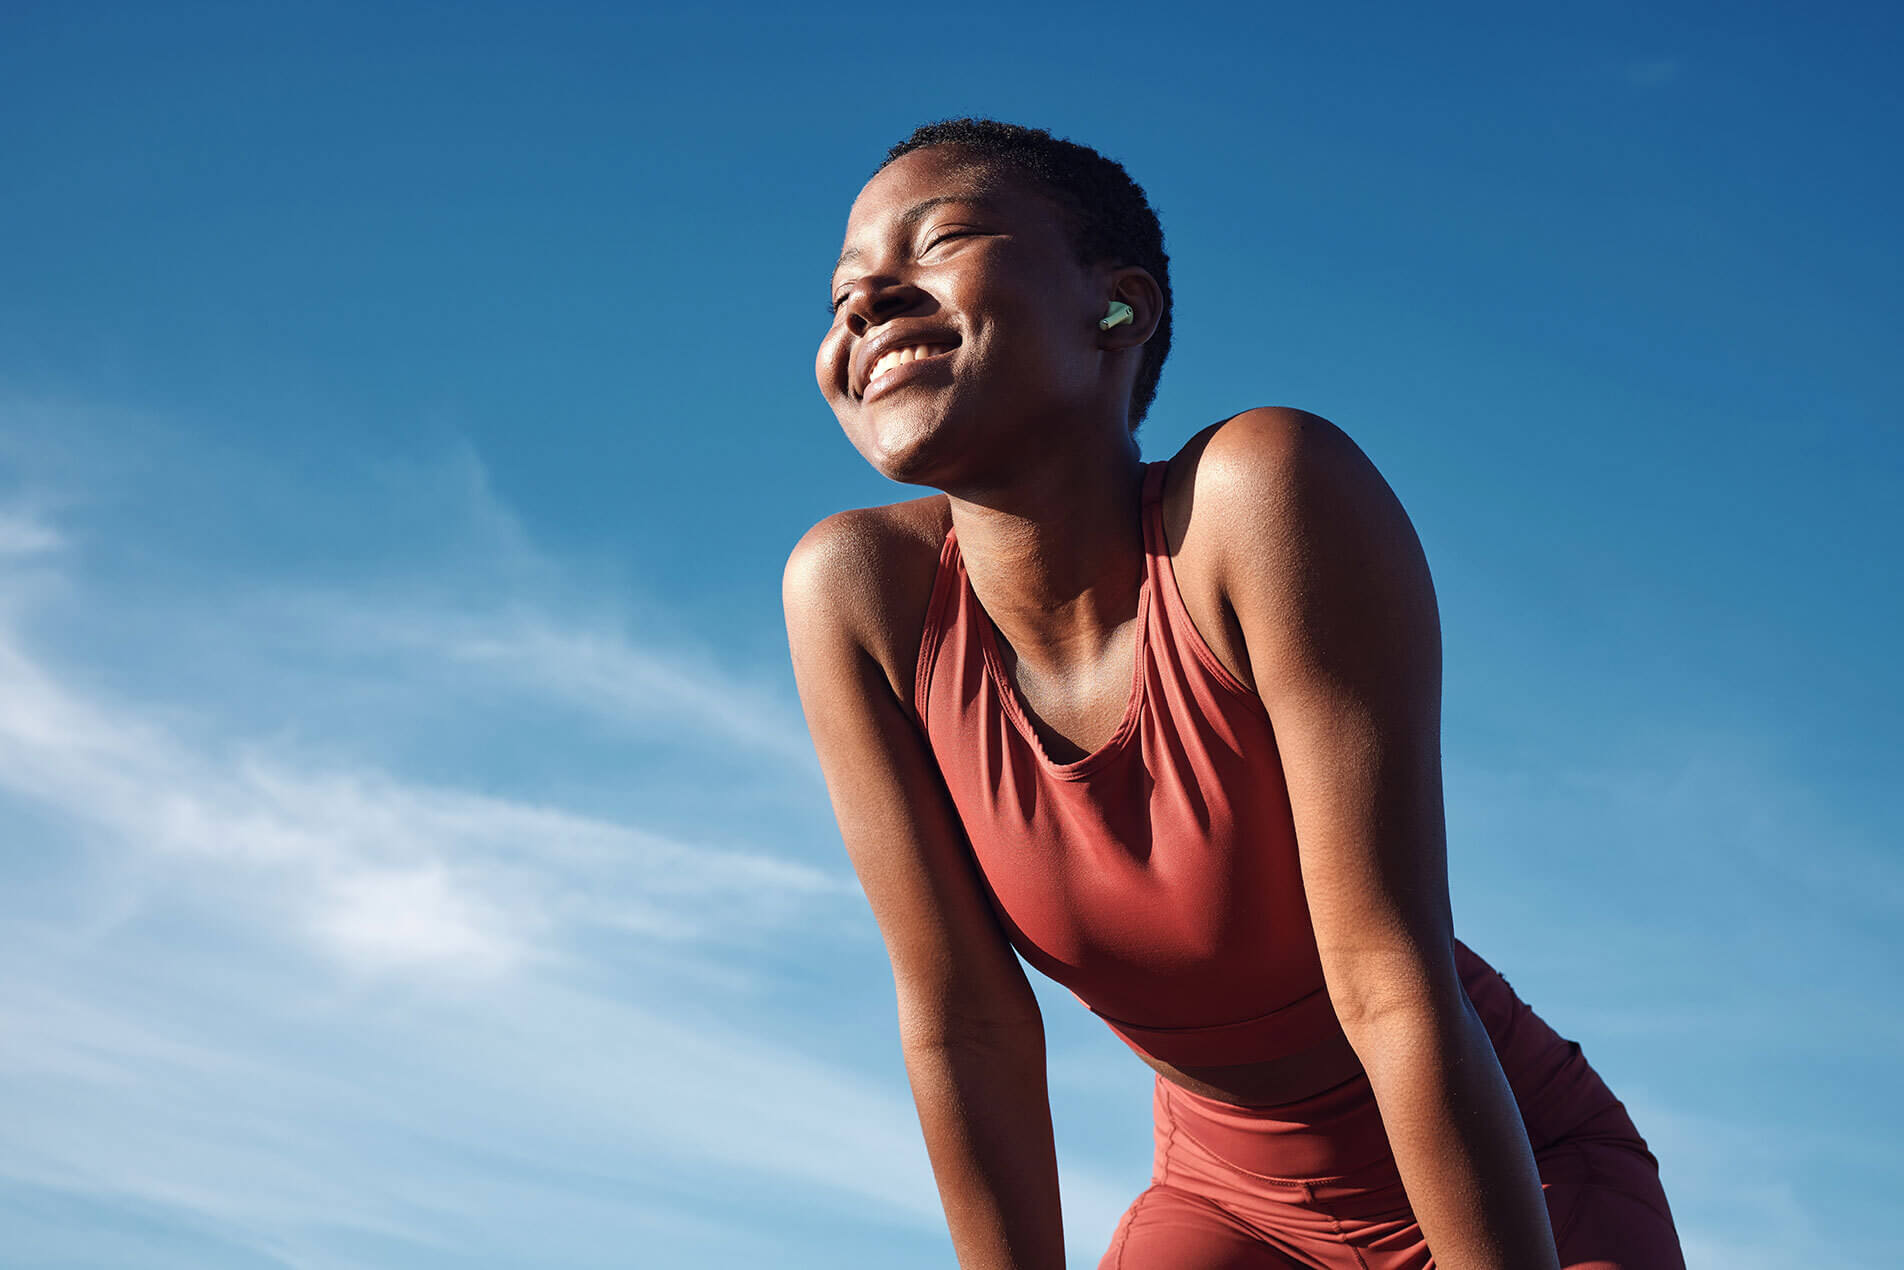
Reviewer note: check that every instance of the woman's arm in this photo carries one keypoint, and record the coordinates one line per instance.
(969, 1026)
(1331, 594)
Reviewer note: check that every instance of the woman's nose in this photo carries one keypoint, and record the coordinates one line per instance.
(871, 301)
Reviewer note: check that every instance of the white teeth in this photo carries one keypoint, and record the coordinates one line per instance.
(894, 358)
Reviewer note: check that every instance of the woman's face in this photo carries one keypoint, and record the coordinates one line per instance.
(963, 321)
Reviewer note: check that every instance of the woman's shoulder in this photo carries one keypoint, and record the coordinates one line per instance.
(1257, 505)
(1277, 470)
(866, 574)
(1238, 456)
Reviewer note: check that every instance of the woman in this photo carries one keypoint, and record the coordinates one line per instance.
(1172, 731)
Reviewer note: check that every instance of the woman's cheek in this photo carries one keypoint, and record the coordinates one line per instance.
(827, 364)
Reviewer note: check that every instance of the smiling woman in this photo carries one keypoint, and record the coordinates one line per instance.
(1171, 731)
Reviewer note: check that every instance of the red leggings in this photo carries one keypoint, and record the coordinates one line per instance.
(1313, 1183)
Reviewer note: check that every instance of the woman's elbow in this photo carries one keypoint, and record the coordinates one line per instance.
(1403, 1006)
(998, 1024)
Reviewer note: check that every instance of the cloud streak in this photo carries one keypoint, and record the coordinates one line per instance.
(378, 873)
(24, 534)
(599, 672)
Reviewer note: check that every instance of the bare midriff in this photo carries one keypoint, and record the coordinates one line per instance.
(1272, 1082)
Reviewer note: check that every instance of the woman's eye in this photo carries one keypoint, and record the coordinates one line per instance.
(833, 306)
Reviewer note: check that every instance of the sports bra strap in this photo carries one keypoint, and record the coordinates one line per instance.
(1154, 474)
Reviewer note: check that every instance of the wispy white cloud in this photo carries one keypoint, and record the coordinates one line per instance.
(381, 873)
(23, 533)
(598, 671)
(374, 869)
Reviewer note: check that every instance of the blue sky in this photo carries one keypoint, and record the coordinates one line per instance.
(410, 853)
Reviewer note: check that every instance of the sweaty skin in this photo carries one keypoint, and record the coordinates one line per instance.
(1302, 572)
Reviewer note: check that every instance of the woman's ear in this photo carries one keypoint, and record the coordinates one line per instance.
(1133, 287)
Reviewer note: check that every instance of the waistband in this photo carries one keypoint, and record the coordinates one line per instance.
(1300, 1025)
(1335, 1133)
(1339, 1132)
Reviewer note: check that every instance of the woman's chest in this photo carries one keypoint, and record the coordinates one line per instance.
(1174, 862)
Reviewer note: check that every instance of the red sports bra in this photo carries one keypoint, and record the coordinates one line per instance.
(1155, 877)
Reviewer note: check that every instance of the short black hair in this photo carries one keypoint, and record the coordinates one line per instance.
(1111, 218)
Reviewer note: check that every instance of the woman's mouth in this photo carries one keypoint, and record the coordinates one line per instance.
(890, 369)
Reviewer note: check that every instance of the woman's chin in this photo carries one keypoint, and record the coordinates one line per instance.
(909, 447)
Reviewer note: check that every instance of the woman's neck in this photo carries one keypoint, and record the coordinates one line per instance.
(1056, 552)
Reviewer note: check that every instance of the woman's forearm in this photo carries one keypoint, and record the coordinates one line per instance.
(1458, 1140)
(986, 1115)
